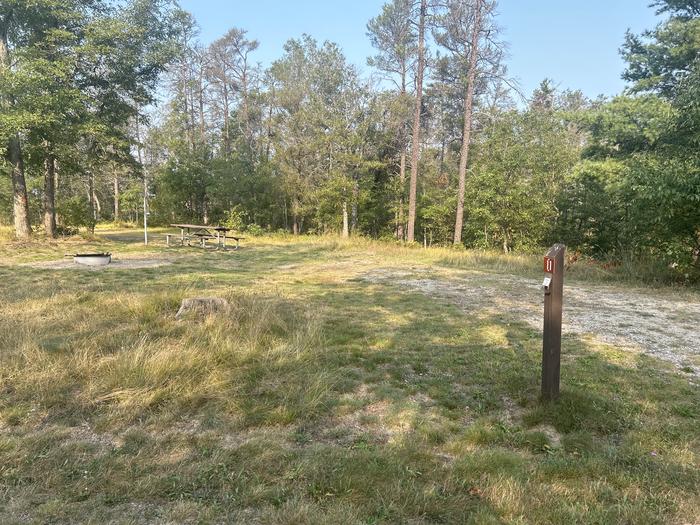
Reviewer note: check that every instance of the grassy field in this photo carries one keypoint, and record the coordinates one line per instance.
(325, 395)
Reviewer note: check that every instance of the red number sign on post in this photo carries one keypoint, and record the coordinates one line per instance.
(549, 264)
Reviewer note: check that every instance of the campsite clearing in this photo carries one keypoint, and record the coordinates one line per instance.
(347, 382)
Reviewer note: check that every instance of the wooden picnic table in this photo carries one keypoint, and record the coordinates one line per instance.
(202, 233)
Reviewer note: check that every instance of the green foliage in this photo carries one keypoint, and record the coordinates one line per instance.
(394, 36)
(182, 185)
(592, 208)
(660, 60)
(254, 230)
(75, 212)
(5, 197)
(235, 219)
(686, 131)
(308, 142)
(640, 198)
(627, 125)
(75, 75)
(517, 175)
(665, 211)
(437, 208)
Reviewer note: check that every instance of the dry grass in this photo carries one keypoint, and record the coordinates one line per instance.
(320, 397)
(151, 362)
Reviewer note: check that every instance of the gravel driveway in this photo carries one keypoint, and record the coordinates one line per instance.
(660, 325)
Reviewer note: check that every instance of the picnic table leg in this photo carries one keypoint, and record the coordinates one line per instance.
(182, 236)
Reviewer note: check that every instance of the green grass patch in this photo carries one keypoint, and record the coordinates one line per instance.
(320, 396)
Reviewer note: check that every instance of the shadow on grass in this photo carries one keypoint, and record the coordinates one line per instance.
(193, 266)
(628, 418)
(327, 402)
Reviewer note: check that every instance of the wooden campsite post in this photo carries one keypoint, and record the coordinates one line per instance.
(551, 337)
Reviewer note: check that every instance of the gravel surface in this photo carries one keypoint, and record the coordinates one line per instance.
(662, 326)
(116, 264)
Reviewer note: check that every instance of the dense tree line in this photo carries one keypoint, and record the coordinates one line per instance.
(74, 77)
(436, 146)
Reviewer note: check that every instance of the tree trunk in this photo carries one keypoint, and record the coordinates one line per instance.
(23, 229)
(441, 168)
(507, 240)
(468, 114)
(402, 182)
(193, 112)
(400, 212)
(410, 236)
(189, 126)
(268, 146)
(346, 230)
(56, 170)
(50, 195)
(145, 205)
(355, 200)
(116, 198)
(14, 154)
(296, 230)
(98, 206)
(245, 108)
(200, 95)
(91, 196)
(227, 133)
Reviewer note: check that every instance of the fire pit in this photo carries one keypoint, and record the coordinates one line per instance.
(93, 259)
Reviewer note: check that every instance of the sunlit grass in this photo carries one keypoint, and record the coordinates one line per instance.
(318, 397)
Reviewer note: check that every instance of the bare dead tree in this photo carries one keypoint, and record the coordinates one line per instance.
(231, 76)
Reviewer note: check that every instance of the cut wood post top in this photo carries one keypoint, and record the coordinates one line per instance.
(556, 249)
(554, 260)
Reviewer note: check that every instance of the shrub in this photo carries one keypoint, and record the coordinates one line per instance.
(76, 212)
(66, 231)
(235, 218)
(255, 230)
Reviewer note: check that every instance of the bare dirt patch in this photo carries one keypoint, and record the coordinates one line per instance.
(665, 327)
(377, 421)
(116, 264)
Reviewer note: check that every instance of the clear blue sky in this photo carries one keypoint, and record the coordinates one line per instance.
(574, 42)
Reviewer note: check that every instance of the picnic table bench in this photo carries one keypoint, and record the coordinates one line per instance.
(202, 233)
